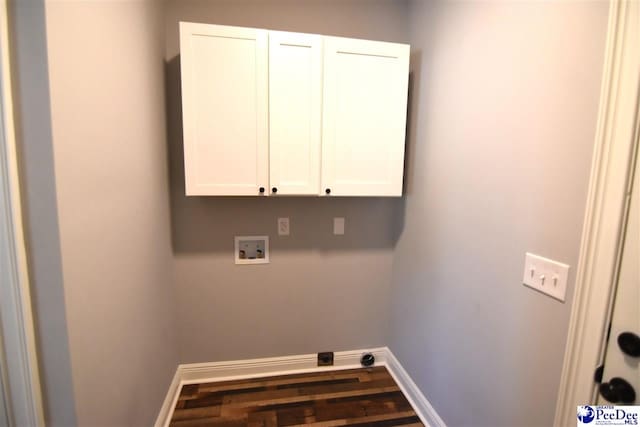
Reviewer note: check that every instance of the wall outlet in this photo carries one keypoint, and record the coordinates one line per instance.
(283, 226)
(545, 275)
(325, 358)
(338, 226)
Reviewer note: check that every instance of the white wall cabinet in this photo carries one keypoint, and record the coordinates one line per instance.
(276, 113)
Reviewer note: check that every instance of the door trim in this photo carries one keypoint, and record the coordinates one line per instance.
(21, 379)
(610, 180)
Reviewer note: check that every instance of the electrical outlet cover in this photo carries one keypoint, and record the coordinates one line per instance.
(283, 226)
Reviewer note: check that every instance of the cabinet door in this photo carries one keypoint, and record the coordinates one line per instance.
(295, 108)
(364, 117)
(224, 109)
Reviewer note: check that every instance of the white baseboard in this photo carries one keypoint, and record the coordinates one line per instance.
(166, 411)
(241, 369)
(194, 373)
(420, 404)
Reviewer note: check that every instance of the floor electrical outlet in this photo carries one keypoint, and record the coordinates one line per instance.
(325, 358)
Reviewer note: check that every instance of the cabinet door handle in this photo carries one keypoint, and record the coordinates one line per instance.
(261, 190)
(274, 190)
(328, 191)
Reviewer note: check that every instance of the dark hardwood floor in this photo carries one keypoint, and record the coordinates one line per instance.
(356, 397)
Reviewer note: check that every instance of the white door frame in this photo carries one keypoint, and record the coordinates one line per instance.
(20, 379)
(611, 177)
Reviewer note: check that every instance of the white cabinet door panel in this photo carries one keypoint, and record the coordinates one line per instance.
(295, 101)
(225, 109)
(364, 117)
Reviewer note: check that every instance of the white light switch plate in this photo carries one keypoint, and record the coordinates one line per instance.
(283, 226)
(338, 226)
(545, 275)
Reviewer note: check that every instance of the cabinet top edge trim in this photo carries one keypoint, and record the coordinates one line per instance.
(186, 24)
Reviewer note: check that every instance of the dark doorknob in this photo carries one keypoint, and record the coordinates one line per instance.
(629, 344)
(328, 191)
(261, 189)
(274, 190)
(618, 390)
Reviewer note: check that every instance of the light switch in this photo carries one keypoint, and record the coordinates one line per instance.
(545, 275)
(283, 226)
(338, 226)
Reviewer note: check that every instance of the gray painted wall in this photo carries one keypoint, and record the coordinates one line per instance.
(33, 134)
(108, 121)
(320, 292)
(503, 113)
(502, 119)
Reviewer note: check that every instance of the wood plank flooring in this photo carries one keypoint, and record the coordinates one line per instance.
(356, 397)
